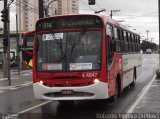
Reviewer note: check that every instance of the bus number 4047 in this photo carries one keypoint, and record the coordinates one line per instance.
(89, 75)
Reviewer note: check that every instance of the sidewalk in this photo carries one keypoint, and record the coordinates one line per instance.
(25, 78)
(149, 105)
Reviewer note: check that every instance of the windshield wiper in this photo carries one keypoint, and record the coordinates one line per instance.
(75, 43)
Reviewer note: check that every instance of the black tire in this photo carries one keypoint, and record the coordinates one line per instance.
(115, 97)
(134, 79)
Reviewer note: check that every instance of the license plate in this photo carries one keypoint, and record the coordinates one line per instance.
(67, 92)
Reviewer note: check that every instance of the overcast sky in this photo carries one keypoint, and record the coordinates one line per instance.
(141, 15)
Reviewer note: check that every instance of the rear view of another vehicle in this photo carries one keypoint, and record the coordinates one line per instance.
(148, 51)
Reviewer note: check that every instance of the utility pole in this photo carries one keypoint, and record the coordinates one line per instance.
(5, 45)
(41, 9)
(6, 41)
(159, 30)
(147, 34)
(17, 41)
(112, 11)
(8, 50)
(20, 37)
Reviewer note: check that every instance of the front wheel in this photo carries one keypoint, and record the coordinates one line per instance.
(116, 95)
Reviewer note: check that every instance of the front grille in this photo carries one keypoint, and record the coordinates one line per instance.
(75, 94)
(68, 85)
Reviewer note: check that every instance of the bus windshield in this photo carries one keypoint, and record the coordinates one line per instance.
(69, 51)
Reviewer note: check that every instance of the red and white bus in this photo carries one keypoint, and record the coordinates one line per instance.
(27, 48)
(83, 57)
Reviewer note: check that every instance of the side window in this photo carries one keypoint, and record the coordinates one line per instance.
(122, 41)
(117, 39)
(109, 30)
(138, 37)
(115, 33)
(133, 43)
(126, 41)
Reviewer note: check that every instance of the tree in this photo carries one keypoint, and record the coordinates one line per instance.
(148, 45)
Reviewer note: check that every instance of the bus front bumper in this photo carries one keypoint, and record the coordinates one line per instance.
(95, 91)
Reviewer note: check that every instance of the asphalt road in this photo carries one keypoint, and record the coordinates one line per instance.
(21, 100)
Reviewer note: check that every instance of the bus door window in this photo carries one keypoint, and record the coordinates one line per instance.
(109, 48)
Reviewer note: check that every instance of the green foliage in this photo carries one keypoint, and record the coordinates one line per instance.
(148, 45)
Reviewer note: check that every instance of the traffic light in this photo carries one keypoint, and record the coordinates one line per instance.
(91, 2)
(5, 42)
(4, 15)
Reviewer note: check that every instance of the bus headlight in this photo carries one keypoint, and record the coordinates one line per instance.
(41, 82)
(96, 80)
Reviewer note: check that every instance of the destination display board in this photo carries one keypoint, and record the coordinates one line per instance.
(69, 22)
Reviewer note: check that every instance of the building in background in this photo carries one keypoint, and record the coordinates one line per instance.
(29, 11)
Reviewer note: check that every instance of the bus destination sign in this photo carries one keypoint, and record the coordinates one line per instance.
(69, 22)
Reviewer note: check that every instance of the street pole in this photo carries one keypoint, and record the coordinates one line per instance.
(159, 30)
(41, 9)
(20, 37)
(8, 50)
(5, 47)
(111, 15)
(147, 34)
(17, 41)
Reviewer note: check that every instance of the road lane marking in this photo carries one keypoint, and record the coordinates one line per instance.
(37, 106)
(140, 95)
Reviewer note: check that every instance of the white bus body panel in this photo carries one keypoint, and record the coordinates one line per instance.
(129, 62)
(100, 91)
